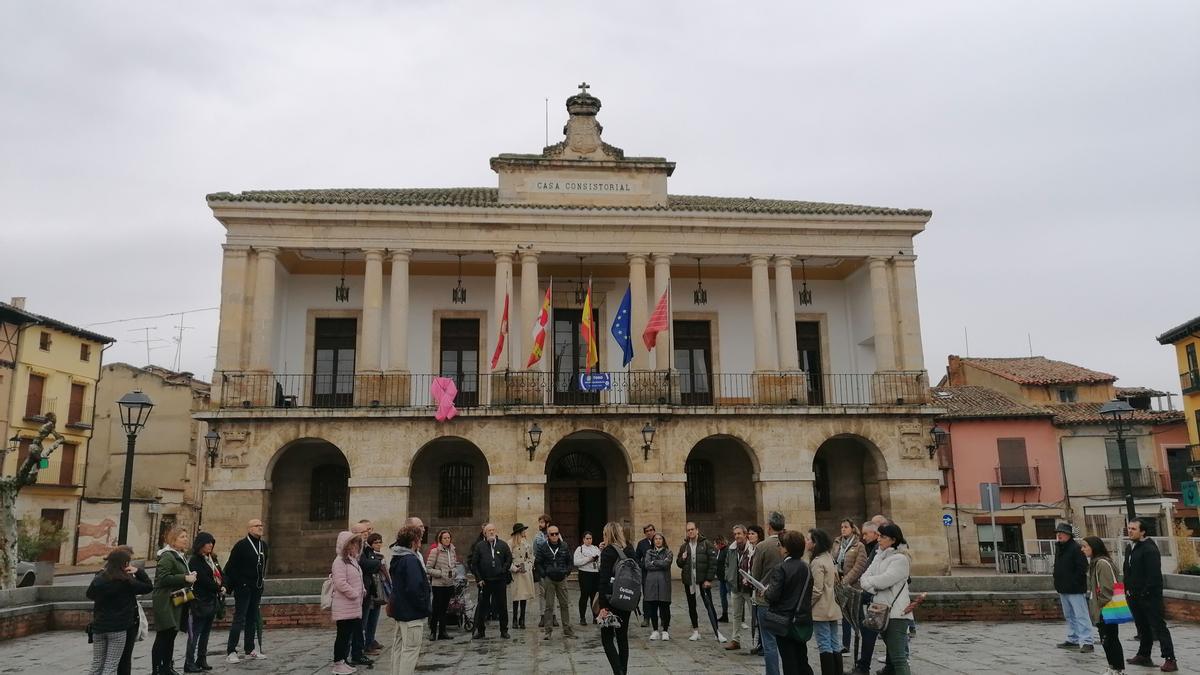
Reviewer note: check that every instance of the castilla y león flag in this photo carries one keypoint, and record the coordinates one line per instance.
(539, 329)
(659, 320)
(503, 334)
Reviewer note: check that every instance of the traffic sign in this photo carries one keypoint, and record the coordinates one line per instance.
(947, 520)
(595, 381)
(1191, 493)
(989, 496)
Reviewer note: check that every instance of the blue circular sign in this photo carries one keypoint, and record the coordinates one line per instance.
(947, 520)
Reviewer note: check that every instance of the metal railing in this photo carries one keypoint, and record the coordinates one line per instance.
(1017, 476)
(80, 417)
(1142, 480)
(603, 390)
(36, 409)
(1039, 553)
(1189, 381)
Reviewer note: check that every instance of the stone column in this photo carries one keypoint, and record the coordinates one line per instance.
(504, 261)
(233, 312)
(531, 304)
(383, 500)
(638, 310)
(881, 311)
(662, 281)
(785, 314)
(909, 319)
(790, 493)
(370, 357)
(760, 284)
(262, 330)
(398, 312)
(517, 498)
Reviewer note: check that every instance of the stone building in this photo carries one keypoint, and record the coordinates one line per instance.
(792, 378)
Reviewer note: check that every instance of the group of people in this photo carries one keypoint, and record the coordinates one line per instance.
(188, 594)
(1085, 578)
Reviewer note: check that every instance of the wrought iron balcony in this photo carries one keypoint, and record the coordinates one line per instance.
(36, 408)
(606, 391)
(1189, 381)
(1017, 476)
(1141, 480)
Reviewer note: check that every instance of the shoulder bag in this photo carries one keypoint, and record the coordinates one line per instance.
(782, 625)
(876, 616)
(1117, 609)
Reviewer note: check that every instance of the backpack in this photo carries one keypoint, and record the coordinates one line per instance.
(327, 593)
(626, 584)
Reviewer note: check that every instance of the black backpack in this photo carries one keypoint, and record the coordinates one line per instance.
(626, 584)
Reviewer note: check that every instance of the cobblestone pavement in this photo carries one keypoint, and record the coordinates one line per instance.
(938, 648)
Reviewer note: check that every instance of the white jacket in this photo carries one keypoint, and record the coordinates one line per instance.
(887, 576)
(583, 558)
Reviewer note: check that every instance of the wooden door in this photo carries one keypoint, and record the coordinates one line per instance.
(459, 351)
(333, 362)
(693, 360)
(75, 410)
(33, 398)
(808, 344)
(66, 470)
(52, 518)
(570, 357)
(563, 508)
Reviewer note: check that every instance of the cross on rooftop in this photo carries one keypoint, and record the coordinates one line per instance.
(583, 87)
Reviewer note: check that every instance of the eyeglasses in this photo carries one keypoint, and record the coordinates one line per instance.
(553, 534)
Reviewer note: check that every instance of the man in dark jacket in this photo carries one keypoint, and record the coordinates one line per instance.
(1144, 592)
(552, 560)
(410, 598)
(1070, 582)
(644, 545)
(767, 554)
(245, 574)
(491, 565)
(697, 558)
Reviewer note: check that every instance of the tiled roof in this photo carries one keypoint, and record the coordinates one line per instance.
(1039, 370)
(1179, 332)
(1132, 392)
(485, 197)
(976, 402)
(59, 325)
(1089, 413)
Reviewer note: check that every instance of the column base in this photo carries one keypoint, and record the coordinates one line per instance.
(780, 388)
(900, 388)
(653, 387)
(519, 387)
(395, 389)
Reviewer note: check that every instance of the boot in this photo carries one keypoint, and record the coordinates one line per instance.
(442, 635)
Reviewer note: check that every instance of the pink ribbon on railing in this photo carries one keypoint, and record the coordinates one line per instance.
(443, 391)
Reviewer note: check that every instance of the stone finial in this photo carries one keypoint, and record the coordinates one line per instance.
(583, 131)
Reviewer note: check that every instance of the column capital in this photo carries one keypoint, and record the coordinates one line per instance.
(661, 257)
(907, 260)
(783, 261)
(760, 259)
(402, 254)
(529, 257)
(877, 261)
(373, 253)
(503, 256)
(636, 257)
(235, 249)
(271, 251)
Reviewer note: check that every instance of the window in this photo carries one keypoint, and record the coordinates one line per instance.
(1190, 352)
(66, 471)
(456, 490)
(459, 354)
(808, 343)
(693, 360)
(1014, 462)
(85, 352)
(1067, 395)
(329, 496)
(701, 489)
(1044, 528)
(821, 497)
(75, 410)
(1114, 453)
(44, 341)
(333, 362)
(52, 521)
(1177, 468)
(33, 396)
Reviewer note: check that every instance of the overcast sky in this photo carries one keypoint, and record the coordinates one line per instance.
(1055, 142)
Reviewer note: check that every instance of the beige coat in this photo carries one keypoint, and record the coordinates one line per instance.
(824, 578)
(521, 587)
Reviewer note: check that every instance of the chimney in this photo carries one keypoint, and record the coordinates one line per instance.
(18, 301)
(954, 372)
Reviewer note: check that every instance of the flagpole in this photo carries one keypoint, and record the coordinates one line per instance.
(508, 326)
(670, 337)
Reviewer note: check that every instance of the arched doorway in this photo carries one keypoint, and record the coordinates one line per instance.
(309, 505)
(849, 480)
(720, 490)
(449, 489)
(587, 484)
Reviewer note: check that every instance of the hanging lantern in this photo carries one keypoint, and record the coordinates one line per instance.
(805, 294)
(699, 296)
(581, 289)
(458, 294)
(341, 293)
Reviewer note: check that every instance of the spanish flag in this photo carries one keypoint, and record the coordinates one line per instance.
(588, 331)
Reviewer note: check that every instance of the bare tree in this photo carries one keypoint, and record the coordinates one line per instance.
(10, 486)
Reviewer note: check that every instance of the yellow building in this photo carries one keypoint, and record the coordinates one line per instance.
(49, 366)
(1186, 338)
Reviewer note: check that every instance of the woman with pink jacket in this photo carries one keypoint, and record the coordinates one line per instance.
(348, 593)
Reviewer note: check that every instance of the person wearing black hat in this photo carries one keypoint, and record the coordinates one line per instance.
(209, 600)
(521, 588)
(1070, 582)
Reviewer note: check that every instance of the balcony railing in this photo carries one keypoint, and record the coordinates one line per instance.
(1141, 480)
(80, 417)
(539, 389)
(1189, 381)
(36, 409)
(1017, 476)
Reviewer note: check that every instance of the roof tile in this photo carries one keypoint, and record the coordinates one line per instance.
(1039, 370)
(969, 402)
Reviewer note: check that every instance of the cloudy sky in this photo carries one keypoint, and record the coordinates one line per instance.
(1055, 142)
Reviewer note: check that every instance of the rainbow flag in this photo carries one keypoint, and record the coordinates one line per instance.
(1117, 609)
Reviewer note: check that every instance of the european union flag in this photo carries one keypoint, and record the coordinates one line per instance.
(621, 324)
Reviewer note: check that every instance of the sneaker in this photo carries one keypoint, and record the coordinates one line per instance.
(547, 635)
(1068, 645)
(666, 635)
(655, 635)
(1110, 671)
(1139, 660)
(340, 668)
(232, 657)
(1086, 649)
(1169, 666)
(721, 638)
(259, 655)
(695, 636)
(745, 626)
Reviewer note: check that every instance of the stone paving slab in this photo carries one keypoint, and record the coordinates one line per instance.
(939, 648)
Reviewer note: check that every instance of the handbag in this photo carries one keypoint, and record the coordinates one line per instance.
(782, 625)
(876, 616)
(143, 624)
(1116, 611)
(182, 596)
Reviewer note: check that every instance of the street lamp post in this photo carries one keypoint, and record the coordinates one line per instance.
(135, 410)
(1116, 412)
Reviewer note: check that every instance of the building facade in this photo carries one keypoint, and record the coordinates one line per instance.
(168, 462)
(1186, 339)
(791, 377)
(55, 367)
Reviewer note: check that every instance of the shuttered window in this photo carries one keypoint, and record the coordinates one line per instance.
(1014, 462)
(1114, 453)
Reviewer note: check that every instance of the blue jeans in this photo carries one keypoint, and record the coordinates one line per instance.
(847, 630)
(826, 635)
(769, 645)
(1079, 623)
(370, 623)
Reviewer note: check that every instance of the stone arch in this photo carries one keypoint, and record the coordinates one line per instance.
(720, 490)
(849, 481)
(587, 483)
(449, 488)
(308, 504)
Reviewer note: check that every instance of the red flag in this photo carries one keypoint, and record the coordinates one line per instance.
(539, 329)
(658, 321)
(503, 334)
